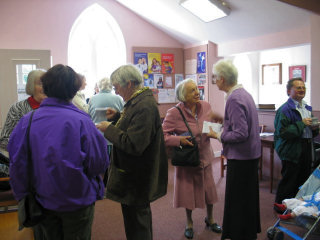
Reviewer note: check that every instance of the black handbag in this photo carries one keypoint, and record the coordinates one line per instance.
(186, 155)
(30, 212)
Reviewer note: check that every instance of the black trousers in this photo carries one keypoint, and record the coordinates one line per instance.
(137, 222)
(75, 225)
(241, 218)
(295, 174)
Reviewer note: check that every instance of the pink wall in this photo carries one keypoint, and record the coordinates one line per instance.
(39, 24)
(315, 62)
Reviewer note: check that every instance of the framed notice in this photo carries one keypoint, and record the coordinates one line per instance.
(297, 72)
(272, 74)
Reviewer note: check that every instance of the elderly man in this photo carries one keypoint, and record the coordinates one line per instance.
(242, 147)
(293, 140)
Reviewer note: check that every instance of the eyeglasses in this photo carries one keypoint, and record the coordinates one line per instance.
(300, 88)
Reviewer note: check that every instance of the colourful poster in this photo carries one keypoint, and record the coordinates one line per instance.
(154, 62)
(141, 61)
(158, 80)
(201, 62)
(167, 63)
(148, 80)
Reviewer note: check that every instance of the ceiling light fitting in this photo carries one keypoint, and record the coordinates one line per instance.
(206, 10)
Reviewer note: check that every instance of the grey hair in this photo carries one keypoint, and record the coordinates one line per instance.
(32, 77)
(180, 89)
(125, 74)
(105, 84)
(226, 69)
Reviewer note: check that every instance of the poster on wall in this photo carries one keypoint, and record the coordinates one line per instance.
(201, 62)
(297, 72)
(154, 62)
(141, 61)
(167, 60)
(192, 76)
(178, 78)
(148, 80)
(168, 81)
(166, 96)
(158, 80)
(202, 79)
(201, 92)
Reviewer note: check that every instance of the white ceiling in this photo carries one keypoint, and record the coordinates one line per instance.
(248, 18)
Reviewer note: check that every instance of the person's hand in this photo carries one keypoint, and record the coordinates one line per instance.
(215, 117)
(212, 134)
(185, 141)
(111, 112)
(102, 126)
(307, 121)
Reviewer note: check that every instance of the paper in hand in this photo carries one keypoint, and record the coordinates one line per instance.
(216, 127)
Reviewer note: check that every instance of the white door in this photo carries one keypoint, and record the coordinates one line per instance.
(15, 64)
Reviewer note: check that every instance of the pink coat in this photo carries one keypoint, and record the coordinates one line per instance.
(191, 181)
(173, 126)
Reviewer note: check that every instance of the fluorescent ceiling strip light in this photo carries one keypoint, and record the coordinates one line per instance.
(206, 10)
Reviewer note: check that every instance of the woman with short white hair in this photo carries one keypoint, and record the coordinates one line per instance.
(194, 187)
(17, 110)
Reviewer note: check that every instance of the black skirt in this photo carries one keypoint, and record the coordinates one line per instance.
(241, 220)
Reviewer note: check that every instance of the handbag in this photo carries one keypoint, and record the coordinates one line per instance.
(186, 155)
(30, 212)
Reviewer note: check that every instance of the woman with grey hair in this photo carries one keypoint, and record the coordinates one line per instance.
(99, 103)
(17, 110)
(138, 173)
(194, 187)
(242, 147)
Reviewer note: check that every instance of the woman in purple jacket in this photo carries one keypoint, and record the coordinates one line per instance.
(242, 147)
(68, 155)
(194, 187)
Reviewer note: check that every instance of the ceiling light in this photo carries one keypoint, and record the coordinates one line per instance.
(206, 10)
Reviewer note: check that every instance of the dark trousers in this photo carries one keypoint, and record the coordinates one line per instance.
(137, 222)
(75, 225)
(241, 219)
(295, 174)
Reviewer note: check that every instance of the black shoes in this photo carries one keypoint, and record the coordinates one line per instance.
(214, 227)
(188, 233)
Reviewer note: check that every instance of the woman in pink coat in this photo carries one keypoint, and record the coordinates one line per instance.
(194, 187)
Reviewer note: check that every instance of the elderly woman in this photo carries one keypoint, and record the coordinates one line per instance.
(68, 155)
(19, 109)
(139, 169)
(241, 146)
(16, 112)
(104, 99)
(79, 99)
(194, 187)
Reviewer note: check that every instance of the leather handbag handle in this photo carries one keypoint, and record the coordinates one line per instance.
(185, 121)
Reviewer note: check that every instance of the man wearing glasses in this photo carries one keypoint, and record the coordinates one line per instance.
(294, 130)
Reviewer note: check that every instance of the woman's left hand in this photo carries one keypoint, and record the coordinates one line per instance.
(102, 126)
(212, 134)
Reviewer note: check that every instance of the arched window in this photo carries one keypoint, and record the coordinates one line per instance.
(96, 46)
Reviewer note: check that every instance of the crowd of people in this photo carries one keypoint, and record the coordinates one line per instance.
(118, 141)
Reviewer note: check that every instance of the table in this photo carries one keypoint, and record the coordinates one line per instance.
(268, 143)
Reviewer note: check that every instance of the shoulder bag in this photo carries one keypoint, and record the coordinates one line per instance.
(186, 155)
(30, 212)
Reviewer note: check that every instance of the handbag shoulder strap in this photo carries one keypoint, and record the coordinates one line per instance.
(29, 159)
(185, 121)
